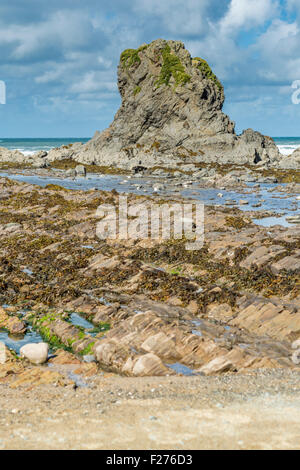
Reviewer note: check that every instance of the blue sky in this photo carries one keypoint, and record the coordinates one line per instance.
(59, 59)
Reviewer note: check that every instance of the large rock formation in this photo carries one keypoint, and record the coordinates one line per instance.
(172, 112)
(291, 162)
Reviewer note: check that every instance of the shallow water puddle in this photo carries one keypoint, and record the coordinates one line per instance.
(272, 221)
(77, 320)
(197, 332)
(16, 342)
(181, 369)
(27, 271)
(68, 371)
(103, 301)
(272, 200)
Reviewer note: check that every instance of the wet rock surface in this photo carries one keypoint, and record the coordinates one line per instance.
(148, 307)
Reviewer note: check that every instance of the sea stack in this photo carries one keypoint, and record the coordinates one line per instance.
(171, 112)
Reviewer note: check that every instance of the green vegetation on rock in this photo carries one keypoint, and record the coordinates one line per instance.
(203, 66)
(131, 57)
(137, 90)
(88, 349)
(172, 67)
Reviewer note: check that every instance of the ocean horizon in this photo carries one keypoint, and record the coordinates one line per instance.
(29, 146)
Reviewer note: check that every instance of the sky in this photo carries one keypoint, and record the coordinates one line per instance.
(59, 59)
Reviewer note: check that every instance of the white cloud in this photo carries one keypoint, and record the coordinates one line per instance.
(247, 14)
(278, 49)
(181, 17)
(63, 29)
(68, 50)
(92, 82)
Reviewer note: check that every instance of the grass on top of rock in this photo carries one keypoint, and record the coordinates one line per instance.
(131, 57)
(172, 67)
(205, 69)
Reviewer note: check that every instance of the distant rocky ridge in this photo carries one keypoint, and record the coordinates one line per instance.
(171, 114)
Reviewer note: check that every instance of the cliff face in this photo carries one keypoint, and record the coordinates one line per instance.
(172, 110)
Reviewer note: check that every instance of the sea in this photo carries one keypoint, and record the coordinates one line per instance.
(29, 146)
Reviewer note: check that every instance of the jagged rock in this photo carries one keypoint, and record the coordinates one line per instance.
(41, 154)
(71, 173)
(12, 156)
(216, 366)
(149, 365)
(64, 357)
(112, 354)
(276, 319)
(12, 324)
(172, 111)
(80, 170)
(289, 263)
(39, 163)
(161, 345)
(40, 376)
(261, 255)
(36, 353)
(292, 161)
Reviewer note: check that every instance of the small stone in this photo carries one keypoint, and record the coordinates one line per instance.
(80, 170)
(2, 353)
(296, 344)
(71, 173)
(36, 353)
(193, 307)
(296, 357)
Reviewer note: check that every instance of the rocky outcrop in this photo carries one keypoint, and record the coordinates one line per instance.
(12, 324)
(292, 161)
(171, 113)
